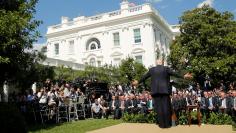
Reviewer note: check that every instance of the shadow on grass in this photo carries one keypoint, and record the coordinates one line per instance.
(80, 126)
(37, 127)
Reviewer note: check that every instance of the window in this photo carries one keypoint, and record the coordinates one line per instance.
(137, 36)
(139, 59)
(56, 48)
(98, 45)
(92, 62)
(155, 35)
(92, 46)
(71, 47)
(99, 63)
(116, 38)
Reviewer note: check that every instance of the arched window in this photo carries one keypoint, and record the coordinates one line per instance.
(92, 46)
(99, 46)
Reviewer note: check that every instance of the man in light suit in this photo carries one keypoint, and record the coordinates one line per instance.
(161, 91)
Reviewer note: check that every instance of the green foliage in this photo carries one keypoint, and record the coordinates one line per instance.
(18, 31)
(206, 45)
(128, 117)
(152, 117)
(183, 120)
(107, 73)
(130, 70)
(36, 72)
(140, 118)
(216, 119)
(11, 120)
(220, 119)
(127, 69)
(193, 115)
(123, 74)
(81, 126)
(204, 119)
(64, 73)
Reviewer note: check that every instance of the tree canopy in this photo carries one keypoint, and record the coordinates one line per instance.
(206, 45)
(18, 32)
(127, 71)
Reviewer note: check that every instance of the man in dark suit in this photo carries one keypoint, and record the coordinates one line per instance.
(212, 102)
(161, 91)
(116, 107)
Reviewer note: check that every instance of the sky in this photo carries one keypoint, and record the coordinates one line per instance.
(50, 11)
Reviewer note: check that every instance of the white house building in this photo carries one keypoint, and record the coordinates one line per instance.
(107, 38)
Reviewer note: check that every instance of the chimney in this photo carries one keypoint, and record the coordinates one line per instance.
(64, 19)
(124, 4)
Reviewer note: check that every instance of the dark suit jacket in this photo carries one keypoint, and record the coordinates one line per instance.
(228, 102)
(214, 102)
(160, 79)
(116, 104)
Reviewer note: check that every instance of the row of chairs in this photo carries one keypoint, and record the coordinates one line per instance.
(69, 110)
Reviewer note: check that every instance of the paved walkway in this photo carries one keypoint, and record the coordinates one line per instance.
(152, 128)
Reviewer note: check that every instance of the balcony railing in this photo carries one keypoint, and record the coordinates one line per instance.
(108, 16)
(136, 8)
(115, 13)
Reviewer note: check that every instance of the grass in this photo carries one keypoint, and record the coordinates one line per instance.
(80, 126)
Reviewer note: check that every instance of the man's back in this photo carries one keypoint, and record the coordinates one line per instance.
(160, 79)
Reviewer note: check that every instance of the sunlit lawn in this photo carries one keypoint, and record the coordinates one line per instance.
(80, 126)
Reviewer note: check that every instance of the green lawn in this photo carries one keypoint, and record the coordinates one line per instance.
(80, 126)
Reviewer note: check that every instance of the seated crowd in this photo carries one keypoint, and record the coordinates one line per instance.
(217, 100)
(126, 99)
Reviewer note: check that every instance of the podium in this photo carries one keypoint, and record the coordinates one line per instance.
(189, 110)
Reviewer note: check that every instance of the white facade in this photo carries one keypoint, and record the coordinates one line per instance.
(132, 31)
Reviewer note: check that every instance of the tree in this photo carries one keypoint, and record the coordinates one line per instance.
(130, 70)
(18, 31)
(64, 73)
(206, 45)
(107, 73)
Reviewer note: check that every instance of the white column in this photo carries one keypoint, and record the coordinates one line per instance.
(63, 50)
(78, 50)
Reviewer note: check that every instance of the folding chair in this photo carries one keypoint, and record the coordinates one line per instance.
(72, 109)
(81, 106)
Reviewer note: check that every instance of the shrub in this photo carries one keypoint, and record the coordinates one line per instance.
(194, 115)
(216, 119)
(140, 118)
(128, 117)
(204, 119)
(152, 117)
(219, 119)
(183, 120)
